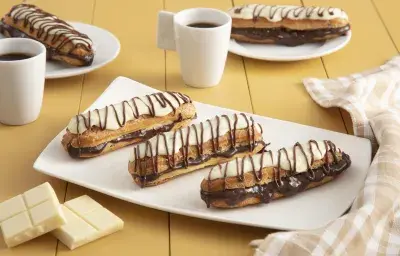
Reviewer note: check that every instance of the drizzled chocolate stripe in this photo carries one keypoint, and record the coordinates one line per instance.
(283, 152)
(285, 12)
(140, 161)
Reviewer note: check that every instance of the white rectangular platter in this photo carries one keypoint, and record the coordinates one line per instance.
(108, 174)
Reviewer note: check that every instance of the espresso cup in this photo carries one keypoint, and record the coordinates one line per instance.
(21, 81)
(201, 38)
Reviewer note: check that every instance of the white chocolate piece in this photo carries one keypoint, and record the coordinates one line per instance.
(271, 160)
(39, 194)
(276, 13)
(30, 215)
(194, 138)
(87, 221)
(143, 105)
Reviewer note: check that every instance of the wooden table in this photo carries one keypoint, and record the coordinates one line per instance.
(265, 88)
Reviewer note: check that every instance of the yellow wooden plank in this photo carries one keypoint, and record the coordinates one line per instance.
(134, 24)
(277, 91)
(23, 144)
(189, 235)
(389, 13)
(366, 49)
(146, 230)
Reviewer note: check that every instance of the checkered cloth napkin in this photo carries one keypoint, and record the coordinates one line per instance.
(372, 226)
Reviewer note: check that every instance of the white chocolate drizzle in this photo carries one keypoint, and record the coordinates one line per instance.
(115, 116)
(276, 13)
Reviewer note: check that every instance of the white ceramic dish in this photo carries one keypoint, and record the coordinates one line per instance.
(108, 174)
(107, 48)
(287, 53)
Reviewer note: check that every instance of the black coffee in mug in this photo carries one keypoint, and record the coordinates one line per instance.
(14, 56)
(203, 25)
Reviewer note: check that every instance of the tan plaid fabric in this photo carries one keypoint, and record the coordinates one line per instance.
(372, 227)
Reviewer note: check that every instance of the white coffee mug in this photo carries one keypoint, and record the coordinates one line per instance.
(21, 81)
(202, 51)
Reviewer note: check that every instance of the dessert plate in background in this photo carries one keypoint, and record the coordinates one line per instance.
(311, 209)
(106, 46)
(287, 53)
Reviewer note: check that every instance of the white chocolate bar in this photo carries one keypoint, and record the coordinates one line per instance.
(30, 215)
(87, 221)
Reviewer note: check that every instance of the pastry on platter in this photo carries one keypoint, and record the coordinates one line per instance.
(211, 142)
(287, 25)
(271, 175)
(129, 122)
(62, 41)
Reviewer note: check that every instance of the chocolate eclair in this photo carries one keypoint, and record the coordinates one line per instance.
(62, 41)
(212, 142)
(267, 176)
(129, 122)
(287, 25)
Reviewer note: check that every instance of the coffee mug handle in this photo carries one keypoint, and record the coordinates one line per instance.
(165, 31)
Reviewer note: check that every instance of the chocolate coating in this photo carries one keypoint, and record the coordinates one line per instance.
(289, 37)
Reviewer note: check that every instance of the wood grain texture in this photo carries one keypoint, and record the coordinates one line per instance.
(140, 60)
(389, 14)
(366, 49)
(267, 88)
(24, 143)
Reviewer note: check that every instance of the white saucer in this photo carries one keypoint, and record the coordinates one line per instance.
(287, 53)
(107, 48)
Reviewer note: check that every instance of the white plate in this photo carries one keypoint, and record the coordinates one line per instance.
(311, 209)
(287, 53)
(107, 48)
